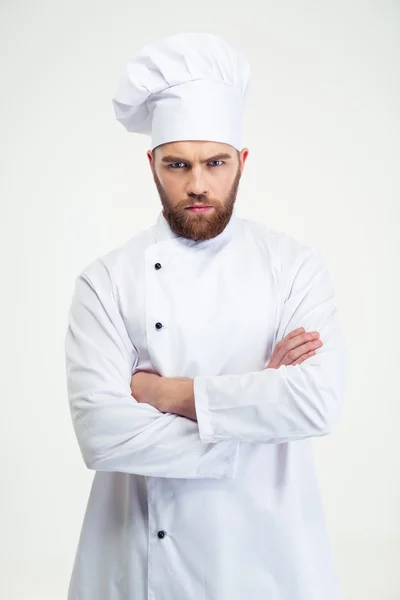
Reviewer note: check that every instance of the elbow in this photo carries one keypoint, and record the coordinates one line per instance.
(319, 401)
(90, 446)
(327, 410)
(96, 460)
(324, 385)
(89, 455)
(102, 451)
(328, 420)
(89, 458)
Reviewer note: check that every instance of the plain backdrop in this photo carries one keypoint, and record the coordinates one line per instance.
(322, 127)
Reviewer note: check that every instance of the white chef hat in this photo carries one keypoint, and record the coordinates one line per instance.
(188, 86)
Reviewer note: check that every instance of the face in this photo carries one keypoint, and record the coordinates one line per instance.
(197, 183)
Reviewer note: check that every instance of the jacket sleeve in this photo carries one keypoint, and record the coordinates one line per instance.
(294, 401)
(113, 430)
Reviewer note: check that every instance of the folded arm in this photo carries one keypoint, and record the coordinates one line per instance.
(294, 401)
(114, 431)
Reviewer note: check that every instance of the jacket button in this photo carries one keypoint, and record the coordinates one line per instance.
(161, 534)
(157, 266)
(159, 325)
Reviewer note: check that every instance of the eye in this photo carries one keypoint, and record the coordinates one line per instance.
(173, 165)
(216, 161)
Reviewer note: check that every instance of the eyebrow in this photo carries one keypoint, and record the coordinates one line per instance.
(173, 159)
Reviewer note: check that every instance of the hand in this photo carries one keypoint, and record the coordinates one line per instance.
(146, 388)
(294, 348)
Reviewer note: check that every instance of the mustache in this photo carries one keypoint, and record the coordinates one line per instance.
(204, 202)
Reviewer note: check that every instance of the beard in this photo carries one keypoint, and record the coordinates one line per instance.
(198, 226)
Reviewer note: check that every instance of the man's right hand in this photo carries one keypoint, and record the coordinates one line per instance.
(294, 348)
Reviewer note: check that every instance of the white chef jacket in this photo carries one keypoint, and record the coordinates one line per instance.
(226, 507)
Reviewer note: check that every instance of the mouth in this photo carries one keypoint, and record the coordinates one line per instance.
(199, 208)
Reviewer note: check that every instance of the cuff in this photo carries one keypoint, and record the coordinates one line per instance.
(203, 413)
(225, 465)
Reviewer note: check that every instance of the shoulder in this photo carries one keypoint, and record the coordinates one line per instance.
(283, 246)
(292, 260)
(107, 268)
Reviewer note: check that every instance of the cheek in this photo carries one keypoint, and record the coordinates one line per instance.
(172, 186)
(222, 183)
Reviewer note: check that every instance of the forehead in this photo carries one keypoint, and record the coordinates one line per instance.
(194, 149)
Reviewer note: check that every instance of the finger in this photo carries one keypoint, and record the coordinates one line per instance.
(303, 357)
(296, 353)
(294, 333)
(301, 350)
(287, 337)
(292, 340)
(306, 339)
(280, 350)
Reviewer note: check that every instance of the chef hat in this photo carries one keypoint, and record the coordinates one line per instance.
(188, 86)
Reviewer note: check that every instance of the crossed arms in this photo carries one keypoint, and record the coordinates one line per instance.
(116, 432)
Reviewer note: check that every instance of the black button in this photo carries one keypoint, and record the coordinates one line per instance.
(161, 534)
(159, 325)
(157, 266)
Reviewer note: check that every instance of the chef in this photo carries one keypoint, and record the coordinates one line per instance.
(203, 355)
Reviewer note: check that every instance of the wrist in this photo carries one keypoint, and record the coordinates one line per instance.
(177, 396)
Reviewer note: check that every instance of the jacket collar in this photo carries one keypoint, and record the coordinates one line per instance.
(162, 232)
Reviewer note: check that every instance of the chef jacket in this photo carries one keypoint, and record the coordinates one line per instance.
(226, 507)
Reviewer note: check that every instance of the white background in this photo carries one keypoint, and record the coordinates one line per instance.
(322, 126)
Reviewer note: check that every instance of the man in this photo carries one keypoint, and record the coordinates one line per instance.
(203, 355)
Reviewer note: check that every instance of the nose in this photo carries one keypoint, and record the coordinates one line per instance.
(197, 185)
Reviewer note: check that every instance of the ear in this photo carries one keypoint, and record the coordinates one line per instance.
(151, 160)
(243, 157)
